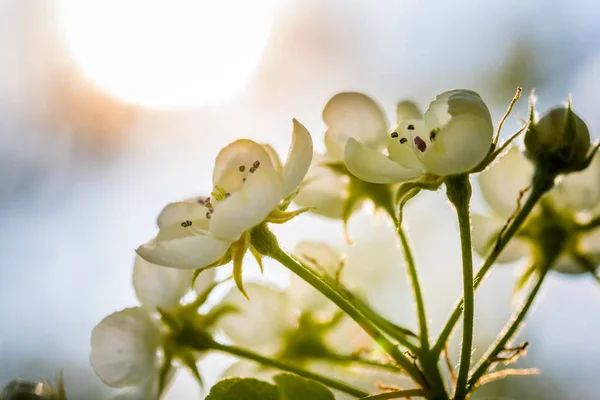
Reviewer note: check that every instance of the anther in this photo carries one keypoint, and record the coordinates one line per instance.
(256, 164)
(252, 170)
(243, 179)
(185, 224)
(242, 168)
(432, 135)
(403, 140)
(420, 143)
(227, 195)
(411, 127)
(208, 215)
(394, 135)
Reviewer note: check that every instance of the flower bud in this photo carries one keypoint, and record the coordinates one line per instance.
(559, 142)
(26, 390)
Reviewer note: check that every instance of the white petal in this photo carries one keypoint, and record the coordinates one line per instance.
(261, 321)
(250, 369)
(306, 298)
(249, 206)
(274, 156)
(568, 265)
(236, 162)
(580, 190)
(353, 115)
(589, 244)
(323, 189)
(298, 159)
(401, 147)
(319, 256)
(157, 286)
(205, 280)
(193, 250)
(347, 337)
(502, 181)
(460, 128)
(372, 166)
(124, 346)
(485, 233)
(407, 109)
(187, 210)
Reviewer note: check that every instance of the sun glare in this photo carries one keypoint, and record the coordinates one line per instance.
(167, 53)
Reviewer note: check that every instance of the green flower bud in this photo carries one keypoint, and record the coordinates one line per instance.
(559, 142)
(27, 390)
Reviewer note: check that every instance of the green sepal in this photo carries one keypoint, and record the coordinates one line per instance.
(238, 251)
(278, 216)
(294, 387)
(243, 389)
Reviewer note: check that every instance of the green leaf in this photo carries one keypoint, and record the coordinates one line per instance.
(243, 389)
(293, 387)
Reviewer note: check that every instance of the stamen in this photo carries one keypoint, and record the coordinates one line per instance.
(243, 179)
(185, 224)
(203, 201)
(420, 143)
(403, 140)
(242, 168)
(411, 127)
(252, 170)
(208, 215)
(227, 195)
(256, 164)
(433, 134)
(394, 135)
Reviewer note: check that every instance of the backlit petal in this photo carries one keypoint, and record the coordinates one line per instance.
(157, 286)
(298, 159)
(485, 234)
(187, 210)
(321, 257)
(205, 280)
(124, 346)
(249, 206)
(353, 115)
(401, 147)
(372, 166)
(407, 109)
(502, 182)
(579, 191)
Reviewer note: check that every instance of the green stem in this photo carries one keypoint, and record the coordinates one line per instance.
(418, 294)
(319, 284)
(490, 356)
(284, 366)
(397, 394)
(459, 194)
(539, 188)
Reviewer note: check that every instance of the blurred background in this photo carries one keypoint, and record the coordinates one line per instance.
(109, 110)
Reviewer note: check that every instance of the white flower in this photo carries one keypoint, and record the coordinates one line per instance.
(249, 183)
(347, 115)
(571, 201)
(125, 345)
(453, 137)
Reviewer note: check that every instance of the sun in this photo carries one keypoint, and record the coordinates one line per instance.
(167, 54)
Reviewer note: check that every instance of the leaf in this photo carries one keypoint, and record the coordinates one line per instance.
(293, 387)
(243, 389)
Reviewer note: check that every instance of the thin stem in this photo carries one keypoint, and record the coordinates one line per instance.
(340, 359)
(459, 193)
(329, 292)
(537, 191)
(592, 224)
(284, 366)
(397, 394)
(417, 292)
(491, 355)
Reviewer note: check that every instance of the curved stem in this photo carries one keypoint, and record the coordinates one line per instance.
(459, 193)
(319, 284)
(284, 366)
(397, 394)
(538, 190)
(491, 355)
(418, 294)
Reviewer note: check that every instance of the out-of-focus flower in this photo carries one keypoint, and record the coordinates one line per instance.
(559, 141)
(125, 346)
(249, 185)
(347, 115)
(557, 226)
(453, 137)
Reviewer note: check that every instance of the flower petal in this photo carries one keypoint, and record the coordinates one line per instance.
(262, 321)
(401, 147)
(298, 159)
(353, 115)
(502, 182)
(579, 191)
(187, 210)
(157, 286)
(321, 257)
(372, 166)
(323, 189)
(278, 165)
(249, 206)
(237, 160)
(407, 109)
(589, 244)
(187, 250)
(124, 346)
(460, 130)
(205, 280)
(485, 233)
